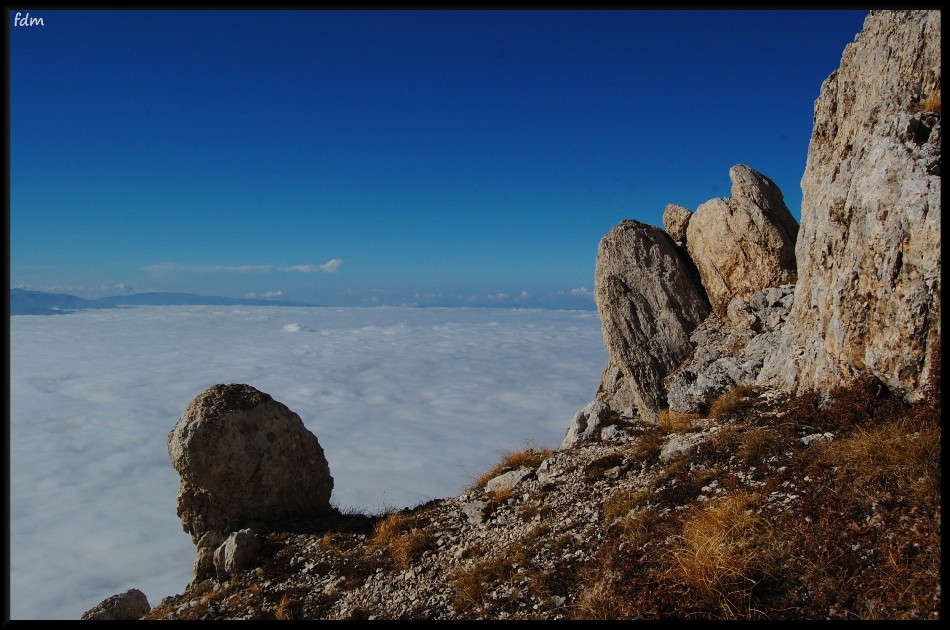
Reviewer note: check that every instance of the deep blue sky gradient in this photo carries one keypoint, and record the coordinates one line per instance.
(445, 157)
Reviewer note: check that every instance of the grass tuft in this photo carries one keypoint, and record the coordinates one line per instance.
(733, 402)
(676, 421)
(725, 550)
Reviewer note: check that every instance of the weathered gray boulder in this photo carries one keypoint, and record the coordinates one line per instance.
(614, 390)
(867, 299)
(236, 553)
(127, 606)
(745, 243)
(649, 299)
(243, 457)
(509, 480)
(587, 424)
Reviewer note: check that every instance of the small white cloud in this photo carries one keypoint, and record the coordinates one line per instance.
(271, 295)
(327, 267)
(579, 292)
(524, 295)
(291, 327)
(301, 268)
(123, 288)
(497, 297)
(251, 295)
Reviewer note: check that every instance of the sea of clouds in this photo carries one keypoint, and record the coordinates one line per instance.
(409, 404)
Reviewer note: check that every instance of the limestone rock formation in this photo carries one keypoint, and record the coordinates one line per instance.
(649, 299)
(730, 350)
(867, 299)
(675, 220)
(127, 606)
(243, 458)
(744, 243)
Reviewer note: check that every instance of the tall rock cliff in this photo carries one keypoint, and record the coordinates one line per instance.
(867, 253)
(867, 300)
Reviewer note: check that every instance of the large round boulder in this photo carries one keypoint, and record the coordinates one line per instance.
(245, 458)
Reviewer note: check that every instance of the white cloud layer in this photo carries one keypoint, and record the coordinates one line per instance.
(327, 267)
(408, 404)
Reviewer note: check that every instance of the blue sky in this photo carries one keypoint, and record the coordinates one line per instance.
(388, 157)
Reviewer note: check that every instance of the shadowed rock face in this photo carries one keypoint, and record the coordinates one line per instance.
(868, 293)
(244, 457)
(745, 243)
(649, 299)
(130, 605)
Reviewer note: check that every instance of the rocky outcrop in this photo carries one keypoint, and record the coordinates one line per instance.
(675, 220)
(649, 299)
(651, 288)
(744, 243)
(730, 350)
(243, 458)
(127, 606)
(868, 293)
(865, 262)
(588, 423)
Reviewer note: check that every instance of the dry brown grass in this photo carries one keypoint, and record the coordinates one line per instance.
(284, 610)
(640, 526)
(843, 529)
(898, 458)
(677, 421)
(408, 546)
(472, 583)
(725, 550)
(533, 508)
(854, 545)
(647, 447)
(401, 536)
(755, 445)
(331, 542)
(622, 502)
(597, 602)
(931, 103)
(732, 403)
(515, 562)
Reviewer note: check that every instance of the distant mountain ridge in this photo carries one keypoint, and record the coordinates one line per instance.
(24, 302)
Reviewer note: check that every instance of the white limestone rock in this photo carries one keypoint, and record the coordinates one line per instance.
(649, 299)
(867, 299)
(744, 243)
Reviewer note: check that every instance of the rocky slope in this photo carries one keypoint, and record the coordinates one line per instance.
(747, 512)
(765, 442)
